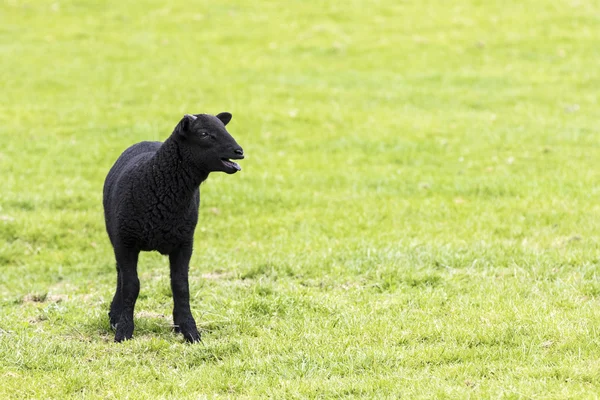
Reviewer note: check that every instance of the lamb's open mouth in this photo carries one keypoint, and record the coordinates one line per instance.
(230, 164)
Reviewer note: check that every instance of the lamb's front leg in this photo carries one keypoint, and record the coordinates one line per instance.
(182, 315)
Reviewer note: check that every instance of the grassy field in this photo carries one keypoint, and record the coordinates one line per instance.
(418, 215)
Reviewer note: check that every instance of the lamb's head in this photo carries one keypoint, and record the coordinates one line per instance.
(207, 142)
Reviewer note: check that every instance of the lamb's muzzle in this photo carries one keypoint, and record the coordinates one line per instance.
(239, 155)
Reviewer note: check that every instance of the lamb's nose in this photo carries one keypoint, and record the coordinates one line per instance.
(239, 152)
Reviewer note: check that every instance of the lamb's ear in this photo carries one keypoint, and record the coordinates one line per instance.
(185, 123)
(225, 117)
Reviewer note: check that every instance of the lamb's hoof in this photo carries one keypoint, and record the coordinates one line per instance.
(189, 331)
(192, 337)
(120, 337)
(124, 331)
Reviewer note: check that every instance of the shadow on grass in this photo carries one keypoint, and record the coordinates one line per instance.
(147, 325)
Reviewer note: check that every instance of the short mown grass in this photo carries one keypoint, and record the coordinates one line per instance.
(418, 215)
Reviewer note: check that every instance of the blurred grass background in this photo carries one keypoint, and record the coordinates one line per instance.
(416, 216)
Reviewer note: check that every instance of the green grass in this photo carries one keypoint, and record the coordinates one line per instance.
(418, 215)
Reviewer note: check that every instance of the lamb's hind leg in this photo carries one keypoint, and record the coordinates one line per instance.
(116, 306)
(129, 288)
(182, 315)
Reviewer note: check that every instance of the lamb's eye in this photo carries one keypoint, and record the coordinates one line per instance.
(203, 134)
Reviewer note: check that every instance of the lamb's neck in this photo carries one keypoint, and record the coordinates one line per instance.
(173, 175)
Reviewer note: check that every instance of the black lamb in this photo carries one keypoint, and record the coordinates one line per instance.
(151, 200)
